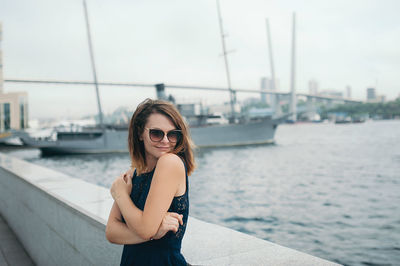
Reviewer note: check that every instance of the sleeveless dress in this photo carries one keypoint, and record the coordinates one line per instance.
(163, 251)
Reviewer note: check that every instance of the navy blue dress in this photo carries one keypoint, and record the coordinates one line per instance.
(163, 251)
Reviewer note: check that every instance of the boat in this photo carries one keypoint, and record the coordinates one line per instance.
(115, 139)
(207, 130)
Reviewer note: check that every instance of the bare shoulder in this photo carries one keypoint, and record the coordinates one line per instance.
(170, 161)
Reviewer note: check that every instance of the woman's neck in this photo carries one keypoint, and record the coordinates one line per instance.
(151, 162)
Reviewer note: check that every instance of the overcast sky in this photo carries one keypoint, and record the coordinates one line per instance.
(339, 43)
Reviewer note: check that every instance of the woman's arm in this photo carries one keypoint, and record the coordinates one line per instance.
(169, 173)
(117, 231)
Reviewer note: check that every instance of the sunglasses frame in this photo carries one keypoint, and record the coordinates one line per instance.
(165, 133)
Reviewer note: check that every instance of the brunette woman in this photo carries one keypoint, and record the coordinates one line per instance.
(148, 205)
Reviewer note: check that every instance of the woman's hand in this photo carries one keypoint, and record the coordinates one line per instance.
(121, 185)
(129, 173)
(170, 222)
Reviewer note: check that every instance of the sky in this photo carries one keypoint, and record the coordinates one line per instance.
(339, 43)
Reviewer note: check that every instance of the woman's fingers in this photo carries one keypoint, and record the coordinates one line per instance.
(173, 227)
(177, 216)
(129, 173)
(128, 180)
(171, 223)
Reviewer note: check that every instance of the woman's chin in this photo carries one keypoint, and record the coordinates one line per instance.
(160, 153)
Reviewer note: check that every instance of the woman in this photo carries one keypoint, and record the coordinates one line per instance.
(148, 206)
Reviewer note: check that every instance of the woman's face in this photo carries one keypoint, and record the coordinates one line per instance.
(155, 149)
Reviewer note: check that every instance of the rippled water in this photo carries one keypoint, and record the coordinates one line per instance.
(328, 190)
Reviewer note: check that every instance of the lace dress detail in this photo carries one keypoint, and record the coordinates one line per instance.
(163, 251)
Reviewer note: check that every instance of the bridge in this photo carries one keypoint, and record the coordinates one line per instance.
(276, 101)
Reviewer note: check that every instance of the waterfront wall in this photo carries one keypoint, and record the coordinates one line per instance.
(61, 220)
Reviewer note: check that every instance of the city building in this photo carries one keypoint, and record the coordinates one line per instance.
(267, 84)
(313, 87)
(381, 99)
(13, 111)
(348, 92)
(371, 94)
(13, 105)
(372, 97)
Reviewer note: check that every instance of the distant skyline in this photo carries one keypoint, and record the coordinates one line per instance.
(339, 44)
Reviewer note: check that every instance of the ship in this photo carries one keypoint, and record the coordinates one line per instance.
(204, 130)
(114, 139)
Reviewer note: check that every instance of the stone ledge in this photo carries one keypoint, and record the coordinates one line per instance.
(67, 218)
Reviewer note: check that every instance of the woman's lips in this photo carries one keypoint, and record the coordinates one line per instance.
(164, 148)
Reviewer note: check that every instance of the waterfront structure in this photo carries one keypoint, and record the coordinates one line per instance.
(331, 93)
(61, 220)
(13, 105)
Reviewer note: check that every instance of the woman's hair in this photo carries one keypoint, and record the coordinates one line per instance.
(183, 148)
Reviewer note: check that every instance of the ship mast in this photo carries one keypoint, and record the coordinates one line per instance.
(94, 72)
(275, 98)
(293, 73)
(1, 61)
(271, 58)
(228, 77)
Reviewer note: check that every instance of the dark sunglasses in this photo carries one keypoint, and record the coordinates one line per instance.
(157, 135)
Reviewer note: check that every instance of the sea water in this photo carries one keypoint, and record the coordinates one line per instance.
(329, 190)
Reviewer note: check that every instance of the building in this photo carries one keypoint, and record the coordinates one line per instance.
(313, 87)
(372, 97)
(13, 105)
(348, 92)
(371, 94)
(1, 62)
(13, 111)
(268, 85)
(381, 99)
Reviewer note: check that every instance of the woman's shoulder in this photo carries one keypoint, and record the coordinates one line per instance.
(170, 160)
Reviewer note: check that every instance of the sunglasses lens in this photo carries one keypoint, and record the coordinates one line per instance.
(174, 136)
(156, 135)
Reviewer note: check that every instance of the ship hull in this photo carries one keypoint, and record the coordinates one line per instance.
(113, 141)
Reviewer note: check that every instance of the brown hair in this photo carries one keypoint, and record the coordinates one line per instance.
(184, 148)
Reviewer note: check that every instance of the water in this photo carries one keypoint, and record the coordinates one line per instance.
(332, 191)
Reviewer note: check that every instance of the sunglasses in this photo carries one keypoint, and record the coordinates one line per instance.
(157, 135)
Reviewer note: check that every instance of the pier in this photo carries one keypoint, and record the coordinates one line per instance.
(61, 220)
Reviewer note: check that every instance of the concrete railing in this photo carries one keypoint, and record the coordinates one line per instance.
(61, 220)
